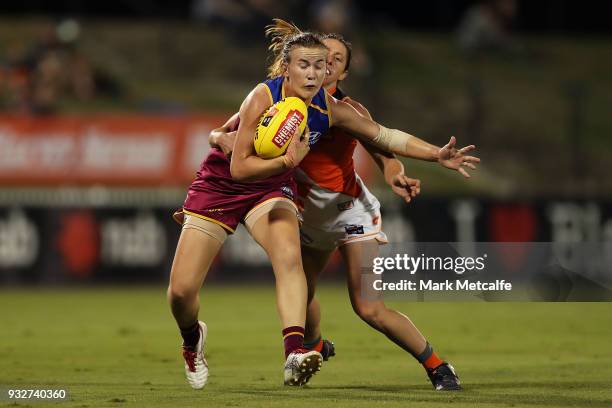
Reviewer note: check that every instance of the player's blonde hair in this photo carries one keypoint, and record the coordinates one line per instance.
(284, 36)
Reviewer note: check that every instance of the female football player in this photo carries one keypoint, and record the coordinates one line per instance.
(339, 212)
(216, 203)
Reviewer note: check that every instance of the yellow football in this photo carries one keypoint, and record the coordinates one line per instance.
(278, 124)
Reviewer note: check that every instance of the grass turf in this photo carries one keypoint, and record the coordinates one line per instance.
(118, 348)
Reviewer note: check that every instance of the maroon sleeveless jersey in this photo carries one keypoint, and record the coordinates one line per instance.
(215, 196)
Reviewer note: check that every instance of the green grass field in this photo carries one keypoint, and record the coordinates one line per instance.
(119, 348)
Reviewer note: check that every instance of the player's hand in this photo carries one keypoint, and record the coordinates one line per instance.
(226, 142)
(405, 187)
(456, 159)
(298, 149)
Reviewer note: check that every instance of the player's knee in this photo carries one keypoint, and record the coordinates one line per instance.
(288, 258)
(371, 314)
(181, 294)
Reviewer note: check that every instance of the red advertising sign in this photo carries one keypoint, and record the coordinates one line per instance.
(114, 150)
(119, 150)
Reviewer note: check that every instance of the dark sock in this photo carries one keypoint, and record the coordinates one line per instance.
(429, 359)
(191, 336)
(293, 337)
(314, 344)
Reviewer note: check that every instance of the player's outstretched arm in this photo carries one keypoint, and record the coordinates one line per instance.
(224, 137)
(401, 143)
(391, 168)
(393, 171)
(245, 164)
(457, 159)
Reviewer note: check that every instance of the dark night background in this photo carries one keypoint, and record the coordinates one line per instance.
(543, 16)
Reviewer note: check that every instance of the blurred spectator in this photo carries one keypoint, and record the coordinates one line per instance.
(46, 63)
(334, 16)
(13, 78)
(46, 83)
(341, 16)
(486, 28)
(242, 19)
(220, 12)
(52, 68)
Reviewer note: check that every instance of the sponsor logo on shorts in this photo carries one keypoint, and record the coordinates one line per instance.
(215, 211)
(347, 205)
(353, 229)
(287, 192)
(288, 128)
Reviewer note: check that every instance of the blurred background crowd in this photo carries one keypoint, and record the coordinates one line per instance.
(84, 88)
(526, 82)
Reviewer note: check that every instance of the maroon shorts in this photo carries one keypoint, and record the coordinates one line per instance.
(215, 196)
(228, 210)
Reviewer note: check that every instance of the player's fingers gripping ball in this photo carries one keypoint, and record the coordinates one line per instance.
(298, 149)
(278, 125)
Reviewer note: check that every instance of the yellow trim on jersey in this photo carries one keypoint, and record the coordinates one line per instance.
(175, 217)
(323, 111)
(329, 116)
(320, 109)
(209, 219)
(269, 93)
(268, 201)
(283, 89)
(292, 333)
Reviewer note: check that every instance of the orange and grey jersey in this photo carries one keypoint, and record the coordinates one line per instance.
(330, 163)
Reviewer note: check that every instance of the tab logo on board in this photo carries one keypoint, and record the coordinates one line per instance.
(19, 240)
(137, 241)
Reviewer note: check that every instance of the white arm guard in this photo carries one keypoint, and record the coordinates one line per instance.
(392, 140)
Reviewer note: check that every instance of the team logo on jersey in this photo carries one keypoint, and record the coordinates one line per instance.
(314, 138)
(347, 205)
(287, 192)
(353, 229)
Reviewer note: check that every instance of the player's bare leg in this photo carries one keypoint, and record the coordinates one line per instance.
(280, 225)
(393, 324)
(277, 233)
(194, 255)
(314, 261)
(313, 320)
